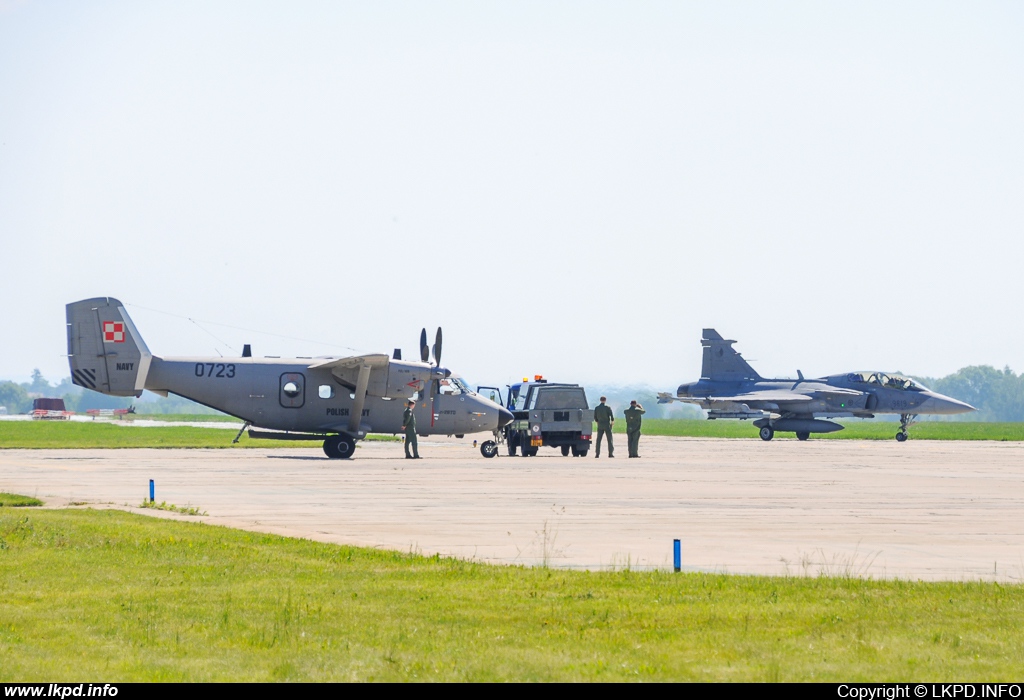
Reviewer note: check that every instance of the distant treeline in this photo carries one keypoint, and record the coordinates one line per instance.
(17, 398)
(997, 394)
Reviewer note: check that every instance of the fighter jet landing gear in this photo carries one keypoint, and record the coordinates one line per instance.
(340, 446)
(767, 433)
(489, 448)
(906, 420)
(802, 435)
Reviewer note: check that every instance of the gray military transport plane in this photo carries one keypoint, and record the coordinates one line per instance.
(335, 399)
(730, 388)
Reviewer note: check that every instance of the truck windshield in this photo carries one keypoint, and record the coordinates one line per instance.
(558, 398)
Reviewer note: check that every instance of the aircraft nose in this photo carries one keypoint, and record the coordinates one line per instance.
(944, 405)
(504, 417)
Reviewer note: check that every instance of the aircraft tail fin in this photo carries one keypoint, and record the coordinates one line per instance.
(105, 350)
(721, 362)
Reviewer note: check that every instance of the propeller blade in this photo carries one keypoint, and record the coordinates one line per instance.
(437, 347)
(424, 352)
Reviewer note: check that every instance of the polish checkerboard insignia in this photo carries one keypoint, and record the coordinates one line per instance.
(113, 332)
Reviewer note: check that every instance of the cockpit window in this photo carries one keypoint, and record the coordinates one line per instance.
(449, 387)
(453, 386)
(889, 381)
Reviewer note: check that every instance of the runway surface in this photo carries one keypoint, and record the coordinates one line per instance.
(924, 509)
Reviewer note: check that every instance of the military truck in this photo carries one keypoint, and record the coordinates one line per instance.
(546, 414)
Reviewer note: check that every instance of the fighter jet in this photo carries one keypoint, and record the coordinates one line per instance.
(730, 388)
(338, 400)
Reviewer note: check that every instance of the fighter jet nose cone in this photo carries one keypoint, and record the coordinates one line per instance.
(945, 405)
(504, 417)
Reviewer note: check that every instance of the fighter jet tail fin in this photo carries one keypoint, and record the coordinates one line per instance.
(105, 350)
(721, 362)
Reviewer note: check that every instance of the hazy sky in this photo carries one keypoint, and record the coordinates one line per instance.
(568, 188)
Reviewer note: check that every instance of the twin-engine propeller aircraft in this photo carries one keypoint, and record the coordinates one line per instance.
(335, 399)
(730, 388)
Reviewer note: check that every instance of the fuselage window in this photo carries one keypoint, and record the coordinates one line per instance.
(326, 391)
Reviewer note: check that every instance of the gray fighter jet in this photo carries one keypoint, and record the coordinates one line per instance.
(335, 399)
(730, 388)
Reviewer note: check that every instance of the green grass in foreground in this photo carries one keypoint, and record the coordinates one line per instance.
(78, 435)
(164, 505)
(184, 417)
(855, 430)
(107, 594)
(13, 500)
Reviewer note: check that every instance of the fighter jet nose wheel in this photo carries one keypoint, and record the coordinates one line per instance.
(767, 433)
(339, 446)
(901, 436)
(802, 435)
(489, 448)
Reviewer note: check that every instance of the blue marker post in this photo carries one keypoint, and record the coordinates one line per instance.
(677, 559)
(152, 499)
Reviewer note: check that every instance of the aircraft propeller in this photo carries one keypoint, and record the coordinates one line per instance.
(424, 351)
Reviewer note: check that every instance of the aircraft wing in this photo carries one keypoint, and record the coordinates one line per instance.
(372, 361)
(769, 396)
(772, 396)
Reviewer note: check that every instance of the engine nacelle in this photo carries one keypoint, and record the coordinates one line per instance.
(406, 378)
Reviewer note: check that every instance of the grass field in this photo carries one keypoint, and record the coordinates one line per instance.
(855, 430)
(185, 417)
(13, 500)
(104, 434)
(114, 596)
(75, 435)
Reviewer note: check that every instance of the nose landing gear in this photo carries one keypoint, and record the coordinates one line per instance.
(906, 420)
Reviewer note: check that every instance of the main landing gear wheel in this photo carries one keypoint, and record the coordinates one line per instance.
(802, 435)
(339, 446)
(901, 436)
(489, 448)
(767, 433)
(565, 451)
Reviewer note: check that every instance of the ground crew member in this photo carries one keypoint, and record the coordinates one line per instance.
(605, 418)
(633, 421)
(409, 426)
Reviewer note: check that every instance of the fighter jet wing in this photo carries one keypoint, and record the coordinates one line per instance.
(343, 363)
(769, 395)
(773, 396)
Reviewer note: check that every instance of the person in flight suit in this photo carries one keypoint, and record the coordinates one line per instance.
(409, 426)
(633, 421)
(605, 418)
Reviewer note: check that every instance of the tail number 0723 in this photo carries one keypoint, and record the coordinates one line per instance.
(215, 369)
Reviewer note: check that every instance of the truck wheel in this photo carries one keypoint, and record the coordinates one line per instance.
(575, 451)
(524, 448)
(565, 451)
(511, 449)
(583, 453)
(489, 448)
